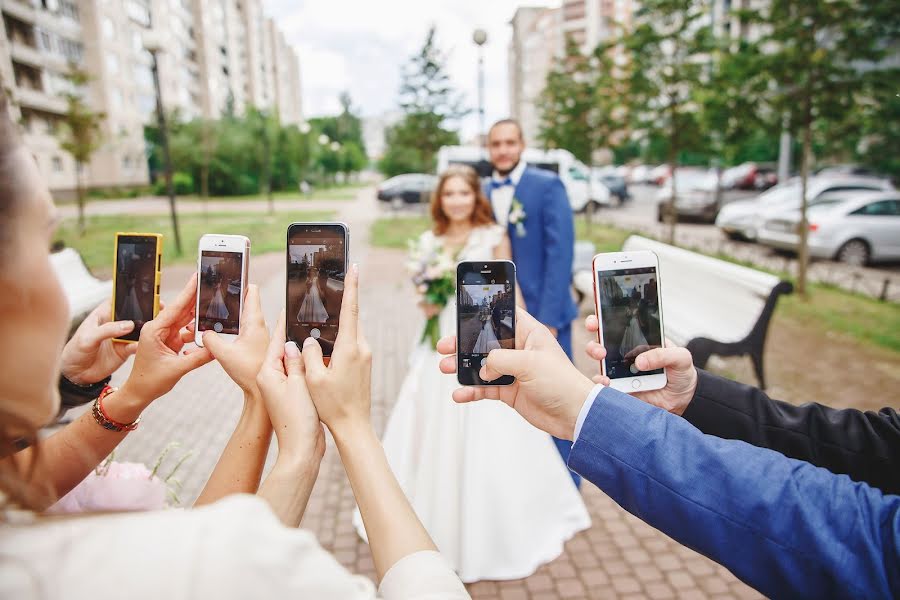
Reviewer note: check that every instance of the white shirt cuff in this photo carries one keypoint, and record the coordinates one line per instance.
(585, 409)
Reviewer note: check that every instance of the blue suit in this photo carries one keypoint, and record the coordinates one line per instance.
(783, 526)
(543, 257)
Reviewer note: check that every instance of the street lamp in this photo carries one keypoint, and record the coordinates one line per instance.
(479, 36)
(154, 45)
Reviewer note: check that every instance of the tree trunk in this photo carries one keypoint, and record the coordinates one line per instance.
(803, 249)
(671, 214)
(79, 195)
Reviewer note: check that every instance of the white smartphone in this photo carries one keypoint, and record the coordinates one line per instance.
(222, 264)
(629, 307)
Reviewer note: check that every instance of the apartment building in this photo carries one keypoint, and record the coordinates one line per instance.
(218, 56)
(536, 43)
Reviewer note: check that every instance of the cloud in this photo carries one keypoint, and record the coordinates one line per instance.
(361, 45)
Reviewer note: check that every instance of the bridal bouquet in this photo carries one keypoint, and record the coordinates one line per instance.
(120, 486)
(434, 275)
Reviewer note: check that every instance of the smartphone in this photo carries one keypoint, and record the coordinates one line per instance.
(317, 255)
(629, 307)
(485, 316)
(137, 266)
(223, 263)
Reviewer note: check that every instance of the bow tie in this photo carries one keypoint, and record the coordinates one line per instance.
(499, 184)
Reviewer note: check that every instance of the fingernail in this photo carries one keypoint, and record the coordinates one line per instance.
(291, 350)
(355, 268)
(309, 342)
(126, 325)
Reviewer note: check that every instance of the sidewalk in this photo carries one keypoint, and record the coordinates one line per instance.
(619, 556)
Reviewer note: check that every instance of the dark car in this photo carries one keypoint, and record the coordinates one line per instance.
(411, 188)
(616, 185)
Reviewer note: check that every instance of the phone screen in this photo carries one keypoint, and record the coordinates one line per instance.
(221, 286)
(629, 311)
(135, 281)
(316, 267)
(486, 313)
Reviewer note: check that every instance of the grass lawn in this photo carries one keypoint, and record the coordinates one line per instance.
(338, 193)
(266, 233)
(827, 308)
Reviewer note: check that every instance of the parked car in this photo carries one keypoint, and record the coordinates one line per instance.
(411, 188)
(614, 182)
(696, 195)
(640, 174)
(862, 229)
(659, 175)
(749, 176)
(742, 219)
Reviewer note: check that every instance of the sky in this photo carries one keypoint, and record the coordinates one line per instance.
(360, 46)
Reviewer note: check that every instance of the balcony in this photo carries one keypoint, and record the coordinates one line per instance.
(25, 54)
(38, 100)
(20, 9)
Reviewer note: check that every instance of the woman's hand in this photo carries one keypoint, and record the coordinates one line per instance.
(91, 356)
(242, 357)
(342, 391)
(282, 385)
(159, 362)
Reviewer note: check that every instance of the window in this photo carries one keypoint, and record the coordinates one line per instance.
(126, 162)
(57, 164)
(112, 64)
(138, 12)
(879, 209)
(109, 28)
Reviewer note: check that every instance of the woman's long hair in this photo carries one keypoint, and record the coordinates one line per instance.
(482, 214)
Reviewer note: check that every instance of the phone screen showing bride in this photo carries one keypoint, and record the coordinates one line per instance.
(221, 286)
(629, 311)
(136, 263)
(316, 267)
(486, 316)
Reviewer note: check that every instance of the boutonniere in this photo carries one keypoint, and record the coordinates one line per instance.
(517, 216)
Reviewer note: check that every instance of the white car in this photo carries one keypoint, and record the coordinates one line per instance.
(744, 218)
(696, 189)
(862, 229)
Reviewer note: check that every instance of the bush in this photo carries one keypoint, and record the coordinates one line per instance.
(182, 182)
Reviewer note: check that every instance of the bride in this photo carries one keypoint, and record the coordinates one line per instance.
(491, 490)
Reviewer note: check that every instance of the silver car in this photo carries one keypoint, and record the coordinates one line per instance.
(863, 229)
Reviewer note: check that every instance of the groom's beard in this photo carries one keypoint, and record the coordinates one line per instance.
(508, 171)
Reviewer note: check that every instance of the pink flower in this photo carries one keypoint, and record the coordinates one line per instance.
(121, 486)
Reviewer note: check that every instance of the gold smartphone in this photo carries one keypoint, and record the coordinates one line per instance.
(137, 269)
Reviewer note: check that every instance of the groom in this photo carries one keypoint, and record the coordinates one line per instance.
(532, 204)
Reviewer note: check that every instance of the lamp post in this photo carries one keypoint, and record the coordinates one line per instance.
(480, 38)
(153, 45)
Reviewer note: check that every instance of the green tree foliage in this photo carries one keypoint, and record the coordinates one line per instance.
(80, 132)
(566, 104)
(429, 104)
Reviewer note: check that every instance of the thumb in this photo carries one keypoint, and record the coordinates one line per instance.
(658, 358)
(293, 361)
(215, 344)
(312, 358)
(108, 331)
(505, 362)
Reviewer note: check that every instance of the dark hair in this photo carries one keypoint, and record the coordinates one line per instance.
(482, 214)
(512, 122)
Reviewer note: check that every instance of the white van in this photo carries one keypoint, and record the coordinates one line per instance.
(574, 174)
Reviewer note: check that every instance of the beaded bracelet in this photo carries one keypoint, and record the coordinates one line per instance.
(103, 419)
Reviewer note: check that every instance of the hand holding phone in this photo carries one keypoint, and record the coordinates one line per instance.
(629, 309)
(137, 267)
(222, 266)
(485, 316)
(317, 255)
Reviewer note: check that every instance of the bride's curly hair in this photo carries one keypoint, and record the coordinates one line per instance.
(482, 214)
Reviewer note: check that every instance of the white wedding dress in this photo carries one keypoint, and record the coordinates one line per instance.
(491, 489)
(312, 310)
(217, 308)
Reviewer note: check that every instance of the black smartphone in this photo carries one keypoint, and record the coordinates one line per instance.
(136, 274)
(485, 316)
(317, 255)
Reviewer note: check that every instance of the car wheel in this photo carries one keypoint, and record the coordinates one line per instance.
(733, 236)
(854, 253)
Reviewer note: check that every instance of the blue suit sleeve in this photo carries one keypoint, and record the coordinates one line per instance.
(559, 243)
(783, 526)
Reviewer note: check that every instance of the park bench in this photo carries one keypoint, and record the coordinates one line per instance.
(83, 291)
(710, 306)
(582, 264)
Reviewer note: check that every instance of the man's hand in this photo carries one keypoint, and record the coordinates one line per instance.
(679, 365)
(549, 391)
(91, 355)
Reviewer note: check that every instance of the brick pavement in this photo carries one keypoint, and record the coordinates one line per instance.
(618, 557)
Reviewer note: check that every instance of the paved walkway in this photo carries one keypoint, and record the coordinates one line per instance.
(619, 556)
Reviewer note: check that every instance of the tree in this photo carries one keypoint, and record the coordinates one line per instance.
(822, 61)
(668, 49)
(80, 133)
(428, 103)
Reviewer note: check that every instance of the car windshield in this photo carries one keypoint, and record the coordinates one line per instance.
(780, 194)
